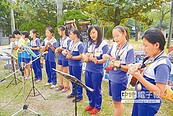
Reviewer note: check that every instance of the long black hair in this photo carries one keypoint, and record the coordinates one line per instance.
(99, 37)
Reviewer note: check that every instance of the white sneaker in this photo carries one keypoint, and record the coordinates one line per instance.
(47, 84)
(53, 86)
(38, 80)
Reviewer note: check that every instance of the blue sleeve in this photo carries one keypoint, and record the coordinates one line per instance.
(43, 44)
(68, 46)
(109, 51)
(81, 48)
(58, 43)
(130, 57)
(38, 42)
(86, 48)
(55, 44)
(105, 49)
(162, 73)
(68, 42)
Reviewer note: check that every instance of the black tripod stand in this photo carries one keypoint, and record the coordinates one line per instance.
(33, 85)
(25, 106)
(76, 82)
(15, 79)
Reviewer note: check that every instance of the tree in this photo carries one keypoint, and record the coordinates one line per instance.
(118, 10)
(5, 16)
(72, 14)
(160, 16)
(170, 25)
(35, 14)
(59, 9)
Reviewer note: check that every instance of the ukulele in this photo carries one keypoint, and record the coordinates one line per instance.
(144, 64)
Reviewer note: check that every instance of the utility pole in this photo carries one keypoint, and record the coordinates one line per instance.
(59, 9)
(12, 16)
(170, 25)
(12, 20)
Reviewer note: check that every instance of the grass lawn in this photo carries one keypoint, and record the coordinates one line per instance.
(56, 103)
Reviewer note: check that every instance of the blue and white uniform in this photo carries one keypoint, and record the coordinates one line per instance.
(50, 61)
(36, 64)
(94, 74)
(117, 78)
(24, 55)
(157, 72)
(64, 43)
(75, 66)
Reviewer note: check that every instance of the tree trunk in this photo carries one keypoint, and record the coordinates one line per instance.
(59, 9)
(170, 26)
(136, 30)
(12, 21)
(116, 19)
(1, 35)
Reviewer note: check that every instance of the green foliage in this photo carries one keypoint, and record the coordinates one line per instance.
(5, 16)
(72, 14)
(37, 11)
(40, 27)
(108, 33)
(117, 10)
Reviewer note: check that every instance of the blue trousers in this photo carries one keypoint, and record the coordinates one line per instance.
(94, 81)
(37, 68)
(145, 109)
(51, 74)
(76, 71)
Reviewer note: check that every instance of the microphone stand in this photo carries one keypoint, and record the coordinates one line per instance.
(33, 85)
(25, 106)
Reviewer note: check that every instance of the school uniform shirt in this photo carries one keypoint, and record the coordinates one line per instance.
(50, 56)
(64, 43)
(13, 52)
(35, 43)
(101, 49)
(24, 54)
(75, 49)
(158, 71)
(126, 56)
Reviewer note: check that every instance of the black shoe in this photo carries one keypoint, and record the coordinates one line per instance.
(71, 96)
(76, 100)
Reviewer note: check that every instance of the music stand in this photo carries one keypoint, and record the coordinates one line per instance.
(32, 54)
(15, 79)
(76, 82)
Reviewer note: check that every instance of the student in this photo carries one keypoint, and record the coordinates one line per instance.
(74, 55)
(155, 75)
(122, 53)
(13, 51)
(24, 55)
(62, 61)
(35, 47)
(93, 53)
(50, 44)
(18, 43)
